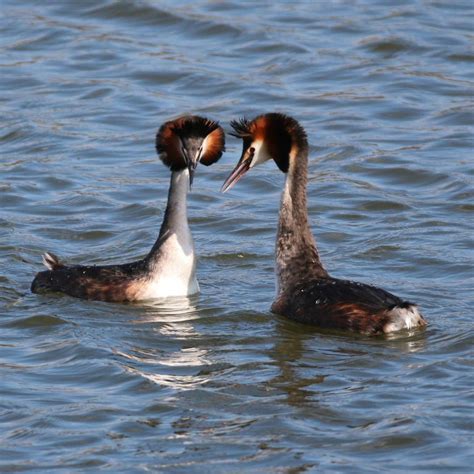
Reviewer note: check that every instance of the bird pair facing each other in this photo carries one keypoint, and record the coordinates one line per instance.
(305, 291)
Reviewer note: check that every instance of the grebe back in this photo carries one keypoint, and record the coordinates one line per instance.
(305, 290)
(169, 269)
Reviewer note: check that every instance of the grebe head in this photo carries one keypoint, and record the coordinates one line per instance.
(189, 140)
(269, 136)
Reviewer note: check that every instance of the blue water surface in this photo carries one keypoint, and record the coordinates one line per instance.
(217, 383)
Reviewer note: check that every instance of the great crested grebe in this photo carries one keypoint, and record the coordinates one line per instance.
(305, 290)
(169, 269)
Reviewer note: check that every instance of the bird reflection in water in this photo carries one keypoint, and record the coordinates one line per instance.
(167, 348)
(307, 358)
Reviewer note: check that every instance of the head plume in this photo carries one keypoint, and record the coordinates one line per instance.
(241, 128)
(278, 132)
(270, 136)
(190, 134)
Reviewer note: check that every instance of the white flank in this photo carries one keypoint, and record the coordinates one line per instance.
(404, 318)
(175, 270)
(49, 260)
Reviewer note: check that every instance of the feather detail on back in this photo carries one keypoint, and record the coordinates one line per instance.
(344, 304)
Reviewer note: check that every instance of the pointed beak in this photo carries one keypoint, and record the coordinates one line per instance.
(191, 167)
(192, 164)
(242, 167)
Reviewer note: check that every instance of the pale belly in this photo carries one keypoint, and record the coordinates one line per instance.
(168, 287)
(174, 274)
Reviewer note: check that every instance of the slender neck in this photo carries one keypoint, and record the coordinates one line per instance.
(297, 257)
(175, 221)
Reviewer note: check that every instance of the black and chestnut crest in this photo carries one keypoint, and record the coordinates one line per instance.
(189, 140)
(270, 136)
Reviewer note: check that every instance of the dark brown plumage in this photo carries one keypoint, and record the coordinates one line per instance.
(339, 304)
(103, 283)
(305, 290)
(169, 267)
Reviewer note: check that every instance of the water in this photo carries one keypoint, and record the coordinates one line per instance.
(218, 383)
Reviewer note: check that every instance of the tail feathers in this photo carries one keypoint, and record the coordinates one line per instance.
(51, 261)
(404, 316)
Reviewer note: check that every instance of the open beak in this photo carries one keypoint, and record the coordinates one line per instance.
(242, 167)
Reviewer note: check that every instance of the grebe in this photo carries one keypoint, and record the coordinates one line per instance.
(305, 290)
(169, 269)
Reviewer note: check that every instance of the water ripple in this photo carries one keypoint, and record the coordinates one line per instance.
(217, 382)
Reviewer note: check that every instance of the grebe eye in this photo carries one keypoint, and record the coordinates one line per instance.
(252, 150)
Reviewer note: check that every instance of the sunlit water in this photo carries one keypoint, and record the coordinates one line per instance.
(217, 383)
